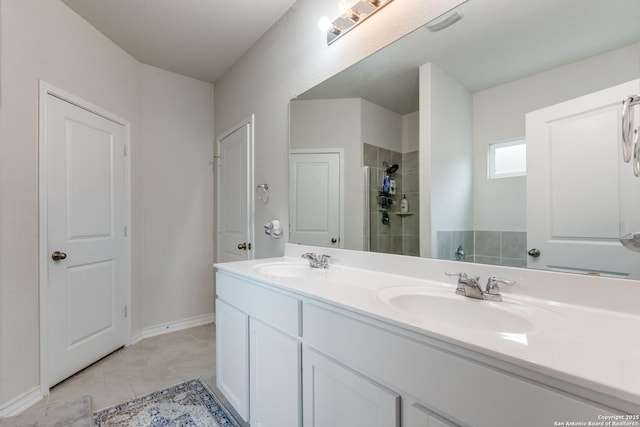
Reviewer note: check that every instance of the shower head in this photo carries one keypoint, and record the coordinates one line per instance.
(391, 169)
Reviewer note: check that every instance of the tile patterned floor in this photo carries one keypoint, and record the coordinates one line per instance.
(149, 365)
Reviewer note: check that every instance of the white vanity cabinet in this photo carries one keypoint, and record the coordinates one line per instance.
(289, 360)
(438, 385)
(258, 352)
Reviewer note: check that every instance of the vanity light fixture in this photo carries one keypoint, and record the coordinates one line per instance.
(351, 14)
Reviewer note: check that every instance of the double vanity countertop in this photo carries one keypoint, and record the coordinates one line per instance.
(585, 345)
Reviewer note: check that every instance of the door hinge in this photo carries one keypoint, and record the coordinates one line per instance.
(125, 151)
(125, 311)
(125, 231)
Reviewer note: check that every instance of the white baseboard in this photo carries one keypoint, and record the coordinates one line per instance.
(152, 331)
(20, 403)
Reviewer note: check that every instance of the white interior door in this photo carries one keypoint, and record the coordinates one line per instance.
(235, 181)
(315, 194)
(573, 156)
(86, 244)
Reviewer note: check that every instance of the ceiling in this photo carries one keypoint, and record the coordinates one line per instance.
(197, 38)
(496, 41)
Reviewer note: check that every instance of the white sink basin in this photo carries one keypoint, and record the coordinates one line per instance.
(289, 269)
(435, 305)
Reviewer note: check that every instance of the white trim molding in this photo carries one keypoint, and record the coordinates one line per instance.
(164, 328)
(20, 403)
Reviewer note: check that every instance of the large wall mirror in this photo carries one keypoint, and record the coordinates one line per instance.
(495, 139)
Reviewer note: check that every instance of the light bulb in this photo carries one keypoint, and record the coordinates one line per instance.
(345, 5)
(325, 24)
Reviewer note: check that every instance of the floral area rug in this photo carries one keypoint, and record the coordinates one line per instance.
(189, 404)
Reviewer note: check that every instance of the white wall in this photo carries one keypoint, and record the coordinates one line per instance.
(173, 200)
(381, 127)
(411, 132)
(43, 39)
(291, 58)
(499, 113)
(446, 147)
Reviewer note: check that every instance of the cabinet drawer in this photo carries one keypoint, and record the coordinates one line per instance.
(274, 308)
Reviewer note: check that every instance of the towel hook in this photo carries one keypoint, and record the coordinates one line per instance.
(262, 192)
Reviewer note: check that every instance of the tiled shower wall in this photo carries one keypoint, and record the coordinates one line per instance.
(401, 235)
(507, 248)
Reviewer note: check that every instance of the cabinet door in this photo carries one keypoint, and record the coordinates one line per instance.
(275, 377)
(420, 416)
(232, 356)
(335, 396)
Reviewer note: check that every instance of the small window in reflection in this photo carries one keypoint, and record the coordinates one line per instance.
(507, 159)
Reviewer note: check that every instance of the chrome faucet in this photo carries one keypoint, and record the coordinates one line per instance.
(467, 286)
(470, 287)
(492, 293)
(317, 261)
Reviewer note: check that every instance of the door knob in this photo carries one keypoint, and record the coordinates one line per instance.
(534, 252)
(58, 256)
(242, 246)
(333, 240)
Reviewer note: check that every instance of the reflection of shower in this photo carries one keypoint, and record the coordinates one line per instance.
(389, 169)
(385, 218)
(387, 192)
(388, 182)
